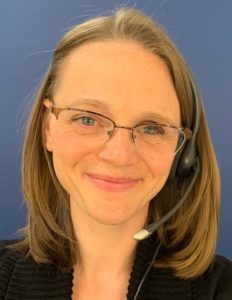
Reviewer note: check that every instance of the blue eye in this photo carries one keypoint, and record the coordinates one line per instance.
(88, 121)
(153, 129)
(84, 120)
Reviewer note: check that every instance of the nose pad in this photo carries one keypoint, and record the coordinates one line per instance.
(111, 133)
(118, 149)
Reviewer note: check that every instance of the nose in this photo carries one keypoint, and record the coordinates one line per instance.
(119, 149)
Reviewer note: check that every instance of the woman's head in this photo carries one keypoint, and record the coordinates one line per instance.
(129, 38)
(113, 176)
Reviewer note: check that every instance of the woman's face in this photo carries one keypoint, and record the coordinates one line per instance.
(112, 183)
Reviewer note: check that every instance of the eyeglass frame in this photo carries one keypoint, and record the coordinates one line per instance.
(57, 110)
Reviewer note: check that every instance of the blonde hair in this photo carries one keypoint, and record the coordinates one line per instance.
(191, 235)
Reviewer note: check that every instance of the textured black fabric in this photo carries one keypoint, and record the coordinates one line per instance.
(23, 279)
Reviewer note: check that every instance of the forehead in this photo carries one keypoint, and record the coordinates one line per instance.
(127, 78)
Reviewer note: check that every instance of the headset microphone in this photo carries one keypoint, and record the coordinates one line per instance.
(186, 163)
(150, 229)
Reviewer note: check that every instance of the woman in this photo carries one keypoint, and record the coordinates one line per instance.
(117, 140)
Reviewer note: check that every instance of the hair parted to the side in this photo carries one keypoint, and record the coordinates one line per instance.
(191, 235)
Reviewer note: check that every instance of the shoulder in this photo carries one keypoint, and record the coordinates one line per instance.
(217, 280)
(8, 256)
(5, 251)
(221, 270)
(21, 277)
(222, 265)
(8, 260)
(222, 275)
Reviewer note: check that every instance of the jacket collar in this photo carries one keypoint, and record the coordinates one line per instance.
(30, 280)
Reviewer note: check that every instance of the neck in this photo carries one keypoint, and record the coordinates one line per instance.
(105, 249)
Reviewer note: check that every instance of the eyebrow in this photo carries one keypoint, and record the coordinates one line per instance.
(95, 102)
(145, 117)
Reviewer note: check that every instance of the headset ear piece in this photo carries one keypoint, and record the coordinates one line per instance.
(187, 160)
(184, 162)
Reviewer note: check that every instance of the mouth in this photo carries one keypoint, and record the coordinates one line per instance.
(112, 184)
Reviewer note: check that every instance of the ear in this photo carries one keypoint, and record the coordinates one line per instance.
(47, 103)
(47, 127)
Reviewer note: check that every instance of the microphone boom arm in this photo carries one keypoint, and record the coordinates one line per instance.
(151, 228)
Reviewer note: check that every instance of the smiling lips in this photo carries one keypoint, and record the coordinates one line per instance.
(112, 184)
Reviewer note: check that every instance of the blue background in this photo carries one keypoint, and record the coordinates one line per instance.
(29, 31)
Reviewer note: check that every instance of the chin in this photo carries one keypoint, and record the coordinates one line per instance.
(117, 217)
(111, 220)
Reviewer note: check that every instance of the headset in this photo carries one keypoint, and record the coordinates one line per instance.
(185, 164)
(185, 161)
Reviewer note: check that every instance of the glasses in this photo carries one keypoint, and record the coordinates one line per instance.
(96, 129)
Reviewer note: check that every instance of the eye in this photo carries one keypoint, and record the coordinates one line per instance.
(88, 121)
(153, 129)
(84, 120)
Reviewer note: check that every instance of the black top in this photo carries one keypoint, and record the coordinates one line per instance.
(23, 279)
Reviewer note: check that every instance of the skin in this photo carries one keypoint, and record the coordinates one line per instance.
(128, 82)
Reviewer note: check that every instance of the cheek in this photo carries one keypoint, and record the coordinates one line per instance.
(160, 166)
(68, 148)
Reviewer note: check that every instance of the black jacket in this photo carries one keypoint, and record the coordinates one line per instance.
(24, 279)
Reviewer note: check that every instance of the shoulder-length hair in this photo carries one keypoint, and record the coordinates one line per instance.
(191, 235)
